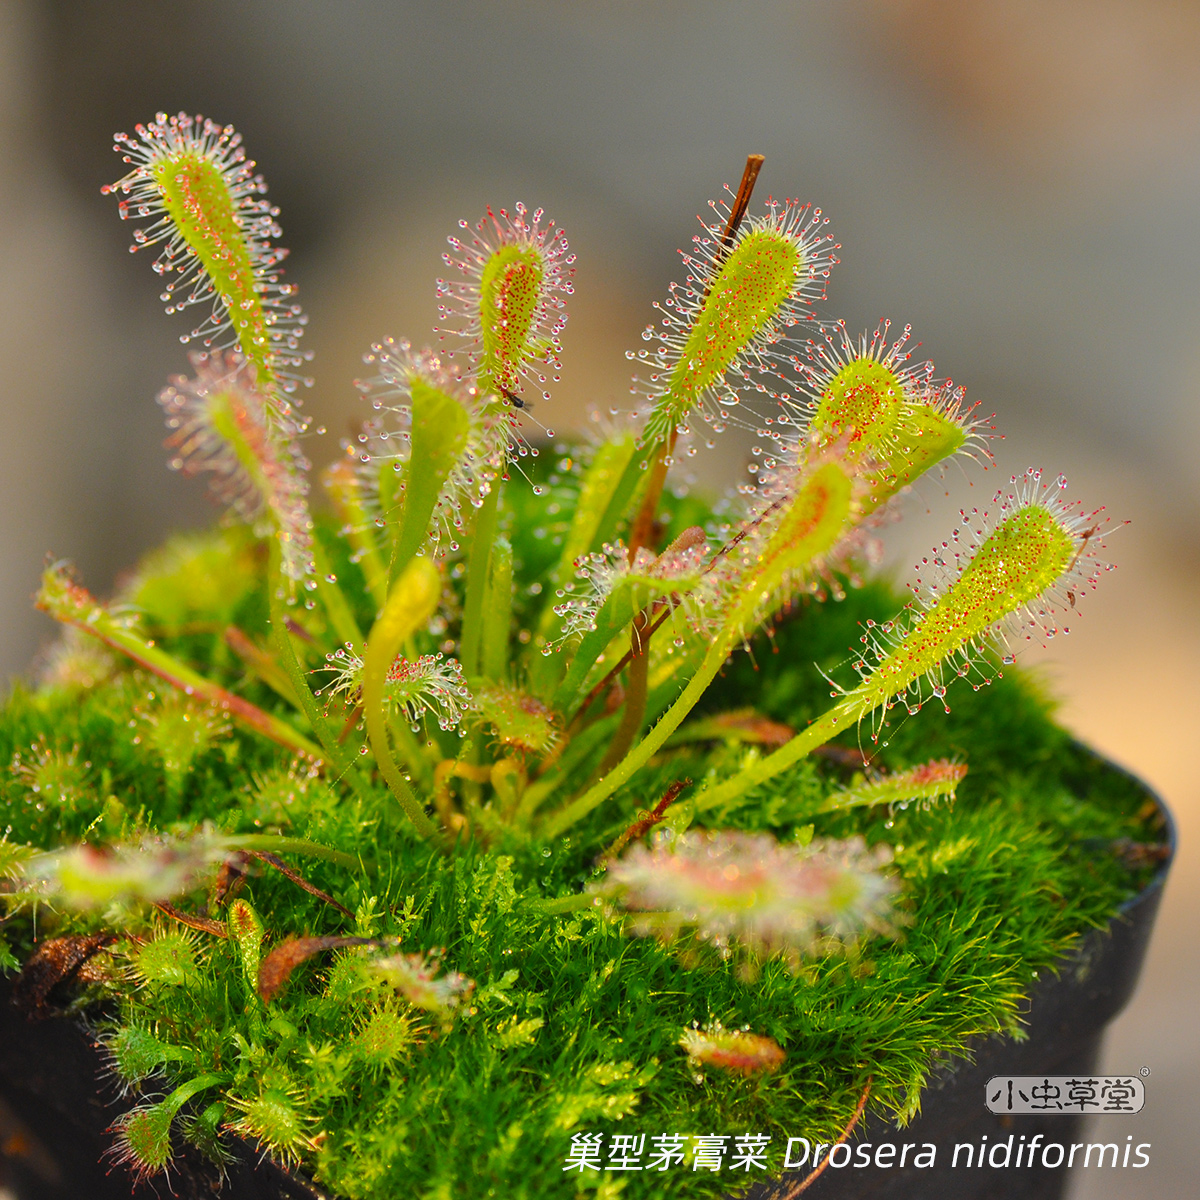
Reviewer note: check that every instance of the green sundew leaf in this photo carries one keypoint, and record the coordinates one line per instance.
(865, 402)
(922, 437)
(143, 1138)
(384, 1037)
(143, 1134)
(520, 720)
(809, 528)
(167, 961)
(439, 435)
(136, 1054)
(497, 611)
(1025, 555)
(862, 400)
(201, 206)
(600, 485)
(747, 293)
(632, 594)
(412, 600)
(246, 931)
(625, 495)
(926, 783)
(195, 578)
(509, 288)
(274, 1119)
(344, 489)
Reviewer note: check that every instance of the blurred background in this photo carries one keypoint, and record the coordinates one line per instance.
(1016, 178)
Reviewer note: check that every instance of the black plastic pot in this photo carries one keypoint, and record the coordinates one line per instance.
(54, 1113)
(56, 1105)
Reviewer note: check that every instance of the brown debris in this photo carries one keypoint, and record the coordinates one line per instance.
(231, 877)
(50, 964)
(275, 969)
(200, 924)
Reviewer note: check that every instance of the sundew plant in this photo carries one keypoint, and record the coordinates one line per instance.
(505, 796)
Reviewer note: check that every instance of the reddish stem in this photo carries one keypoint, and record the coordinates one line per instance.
(811, 1177)
(647, 820)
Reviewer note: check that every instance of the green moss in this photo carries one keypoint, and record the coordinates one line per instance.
(573, 1024)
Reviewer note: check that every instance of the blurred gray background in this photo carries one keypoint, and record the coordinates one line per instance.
(1017, 179)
